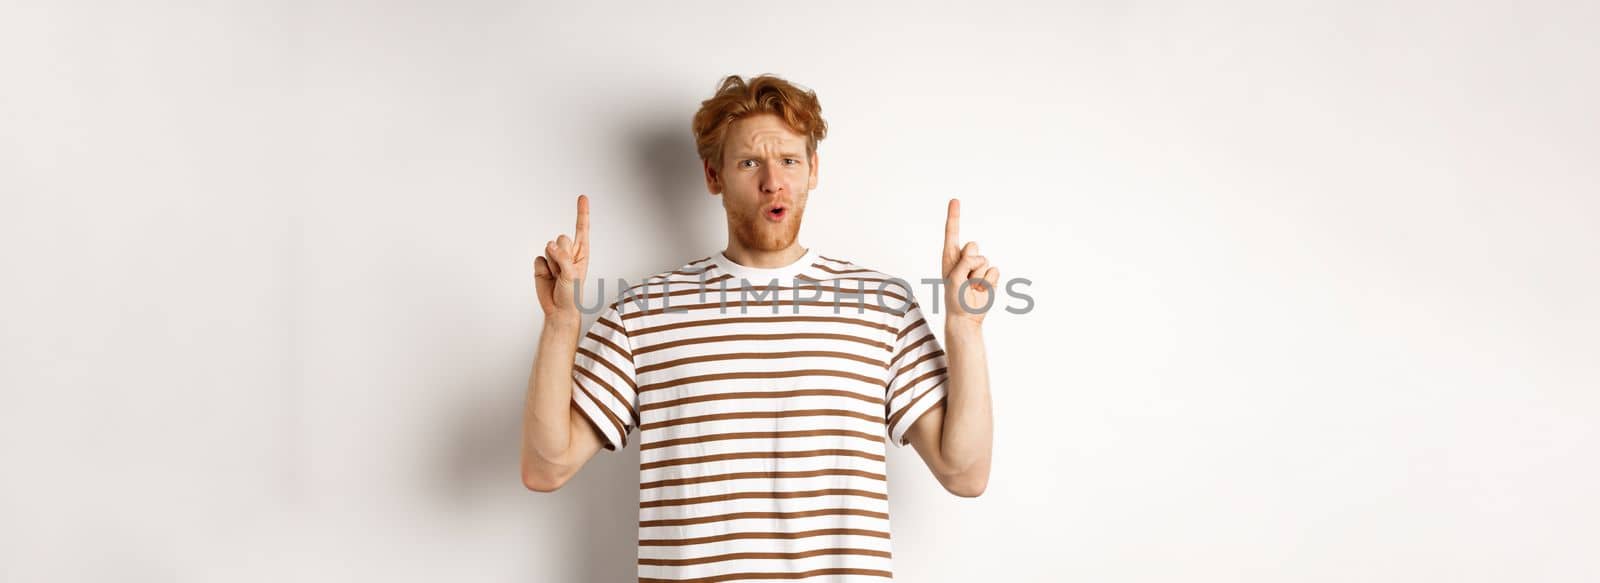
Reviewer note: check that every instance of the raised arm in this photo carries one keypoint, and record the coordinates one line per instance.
(556, 440)
(957, 441)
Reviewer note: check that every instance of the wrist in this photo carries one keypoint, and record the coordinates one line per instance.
(562, 322)
(962, 326)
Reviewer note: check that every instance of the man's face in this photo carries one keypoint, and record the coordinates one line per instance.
(763, 178)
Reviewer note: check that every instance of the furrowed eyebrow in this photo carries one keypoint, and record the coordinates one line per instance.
(745, 155)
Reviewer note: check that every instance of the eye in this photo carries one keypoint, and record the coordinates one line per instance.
(742, 163)
(791, 160)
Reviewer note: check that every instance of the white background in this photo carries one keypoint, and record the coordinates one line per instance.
(1315, 283)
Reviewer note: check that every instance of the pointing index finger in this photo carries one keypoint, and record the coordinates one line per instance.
(952, 227)
(582, 233)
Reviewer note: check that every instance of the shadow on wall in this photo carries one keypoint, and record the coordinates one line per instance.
(685, 229)
(586, 531)
(590, 525)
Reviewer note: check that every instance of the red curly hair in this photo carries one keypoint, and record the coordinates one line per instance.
(737, 98)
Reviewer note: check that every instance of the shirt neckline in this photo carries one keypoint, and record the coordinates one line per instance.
(765, 275)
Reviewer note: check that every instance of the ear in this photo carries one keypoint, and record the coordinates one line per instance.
(812, 183)
(713, 181)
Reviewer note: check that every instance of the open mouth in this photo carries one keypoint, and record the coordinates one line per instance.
(777, 213)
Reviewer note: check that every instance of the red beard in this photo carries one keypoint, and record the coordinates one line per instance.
(756, 233)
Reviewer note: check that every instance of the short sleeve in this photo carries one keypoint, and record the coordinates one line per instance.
(603, 381)
(916, 374)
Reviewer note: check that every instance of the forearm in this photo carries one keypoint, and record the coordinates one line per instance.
(546, 421)
(967, 438)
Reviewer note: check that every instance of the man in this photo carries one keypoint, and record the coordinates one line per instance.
(763, 377)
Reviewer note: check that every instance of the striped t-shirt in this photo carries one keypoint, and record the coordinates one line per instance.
(761, 427)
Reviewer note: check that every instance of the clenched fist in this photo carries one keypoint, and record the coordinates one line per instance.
(563, 266)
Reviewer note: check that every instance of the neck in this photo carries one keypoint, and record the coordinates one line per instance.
(763, 259)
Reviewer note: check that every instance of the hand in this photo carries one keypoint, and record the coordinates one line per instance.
(961, 263)
(564, 263)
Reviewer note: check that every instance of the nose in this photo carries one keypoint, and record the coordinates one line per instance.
(771, 180)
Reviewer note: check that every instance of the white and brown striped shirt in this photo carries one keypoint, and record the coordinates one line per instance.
(761, 427)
